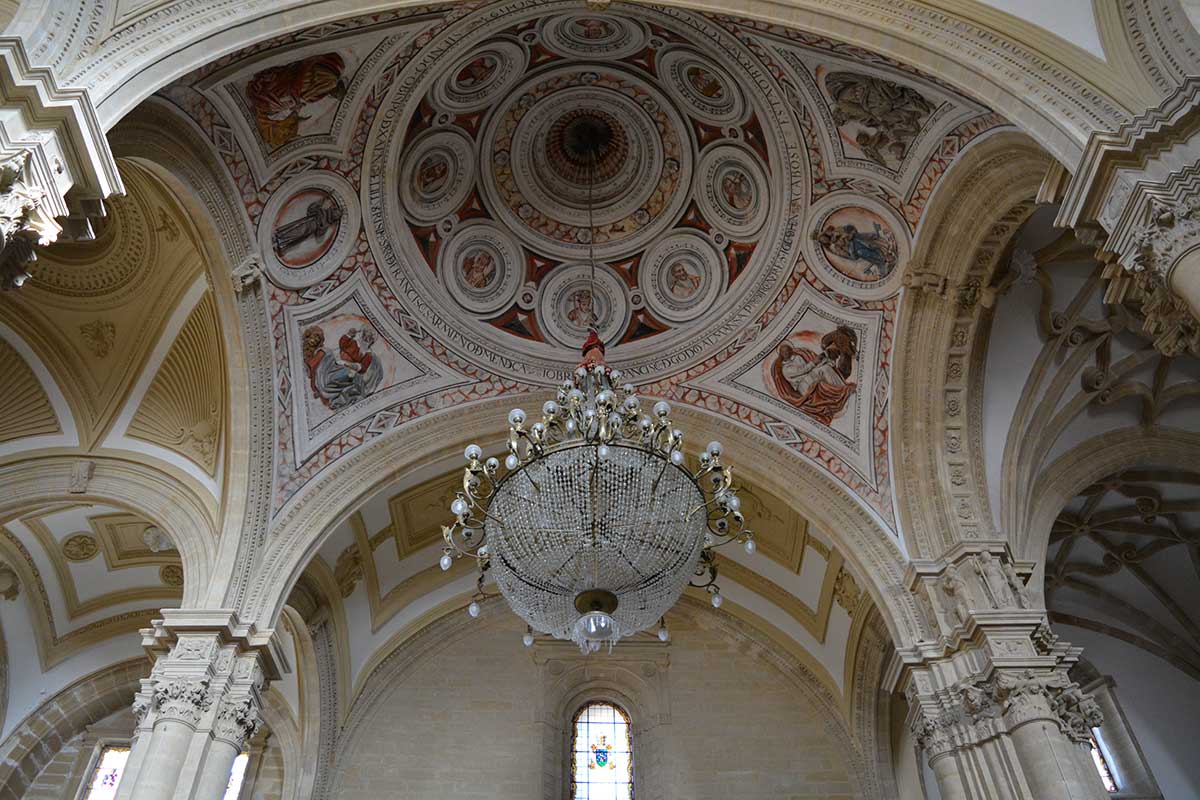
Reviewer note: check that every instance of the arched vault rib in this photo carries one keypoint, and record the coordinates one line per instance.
(941, 485)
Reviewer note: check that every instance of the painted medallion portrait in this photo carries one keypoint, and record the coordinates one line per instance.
(858, 243)
(737, 190)
(432, 175)
(305, 228)
(476, 72)
(705, 82)
(682, 280)
(478, 268)
(593, 29)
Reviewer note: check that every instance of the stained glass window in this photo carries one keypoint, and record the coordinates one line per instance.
(1106, 776)
(236, 776)
(601, 754)
(106, 777)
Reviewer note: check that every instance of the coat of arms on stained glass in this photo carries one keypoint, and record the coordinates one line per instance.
(600, 753)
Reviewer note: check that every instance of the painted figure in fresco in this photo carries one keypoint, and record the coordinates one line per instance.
(736, 188)
(476, 72)
(279, 95)
(877, 248)
(580, 309)
(680, 282)
(320, 216)
(818, 384)
(339, 379)
(432, 174)
(894, 114)
(705, 82)
(478, 268)
(592, 28)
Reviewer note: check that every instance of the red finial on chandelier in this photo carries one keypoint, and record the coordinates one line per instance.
(593, 349)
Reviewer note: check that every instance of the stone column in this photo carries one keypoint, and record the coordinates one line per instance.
(1136, 195)
(199, 706)
(990, 703)
(55, 164)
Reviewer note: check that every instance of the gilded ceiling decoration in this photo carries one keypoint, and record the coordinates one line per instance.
(422, 216)
(27, 408)
(1124, 560)
(184, 407)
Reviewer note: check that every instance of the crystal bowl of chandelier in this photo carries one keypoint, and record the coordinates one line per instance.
(595, 525)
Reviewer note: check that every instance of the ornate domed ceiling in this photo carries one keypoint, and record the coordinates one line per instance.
(419, 186)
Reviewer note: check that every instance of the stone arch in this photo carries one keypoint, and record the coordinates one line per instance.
(945, 316)
(35, 741)
(167, 498)
(166, 141)
(1054, 90)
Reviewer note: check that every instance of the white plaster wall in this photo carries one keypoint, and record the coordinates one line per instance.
(1161, 703)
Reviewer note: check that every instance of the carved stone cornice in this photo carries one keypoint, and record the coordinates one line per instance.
(1140, 185)
(51, 144)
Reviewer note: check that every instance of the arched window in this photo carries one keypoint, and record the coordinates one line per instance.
(601, 754)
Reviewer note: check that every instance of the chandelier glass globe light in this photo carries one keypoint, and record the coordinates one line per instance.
(594, 525)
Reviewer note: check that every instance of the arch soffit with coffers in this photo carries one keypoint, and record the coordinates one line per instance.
(1056, 91)
(158, 136)
(942, 340)
(433, 440)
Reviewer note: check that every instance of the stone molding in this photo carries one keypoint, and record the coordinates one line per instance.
(1140, 185)
(51, 144)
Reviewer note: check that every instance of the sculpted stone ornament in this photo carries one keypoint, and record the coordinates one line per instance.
(10, 584)
(21, 224)
(955, 589)
(995, 585)
(247, 275)
(182, 700)
(237, 721)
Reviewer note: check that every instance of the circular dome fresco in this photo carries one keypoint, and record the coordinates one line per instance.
(484, 155)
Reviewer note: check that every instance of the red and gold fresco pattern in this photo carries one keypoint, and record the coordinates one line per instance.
(290, 480)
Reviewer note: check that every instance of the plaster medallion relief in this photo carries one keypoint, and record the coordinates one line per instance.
(171, 575)
(80, 547)
(308, 228)
(98, 335)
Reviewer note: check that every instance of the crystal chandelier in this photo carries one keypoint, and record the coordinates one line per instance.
(596, 525)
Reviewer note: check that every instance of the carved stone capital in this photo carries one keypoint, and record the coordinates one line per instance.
(182, 700)
(236, 721)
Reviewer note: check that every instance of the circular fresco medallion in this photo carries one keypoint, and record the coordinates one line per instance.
(681, 276)
(565, 303)
(437, 175)
(604, 36)
(706, 89)
(481, 267)
(859, 246)
(307, 228)
(477, 79)
(579, 130)
(732, 191)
